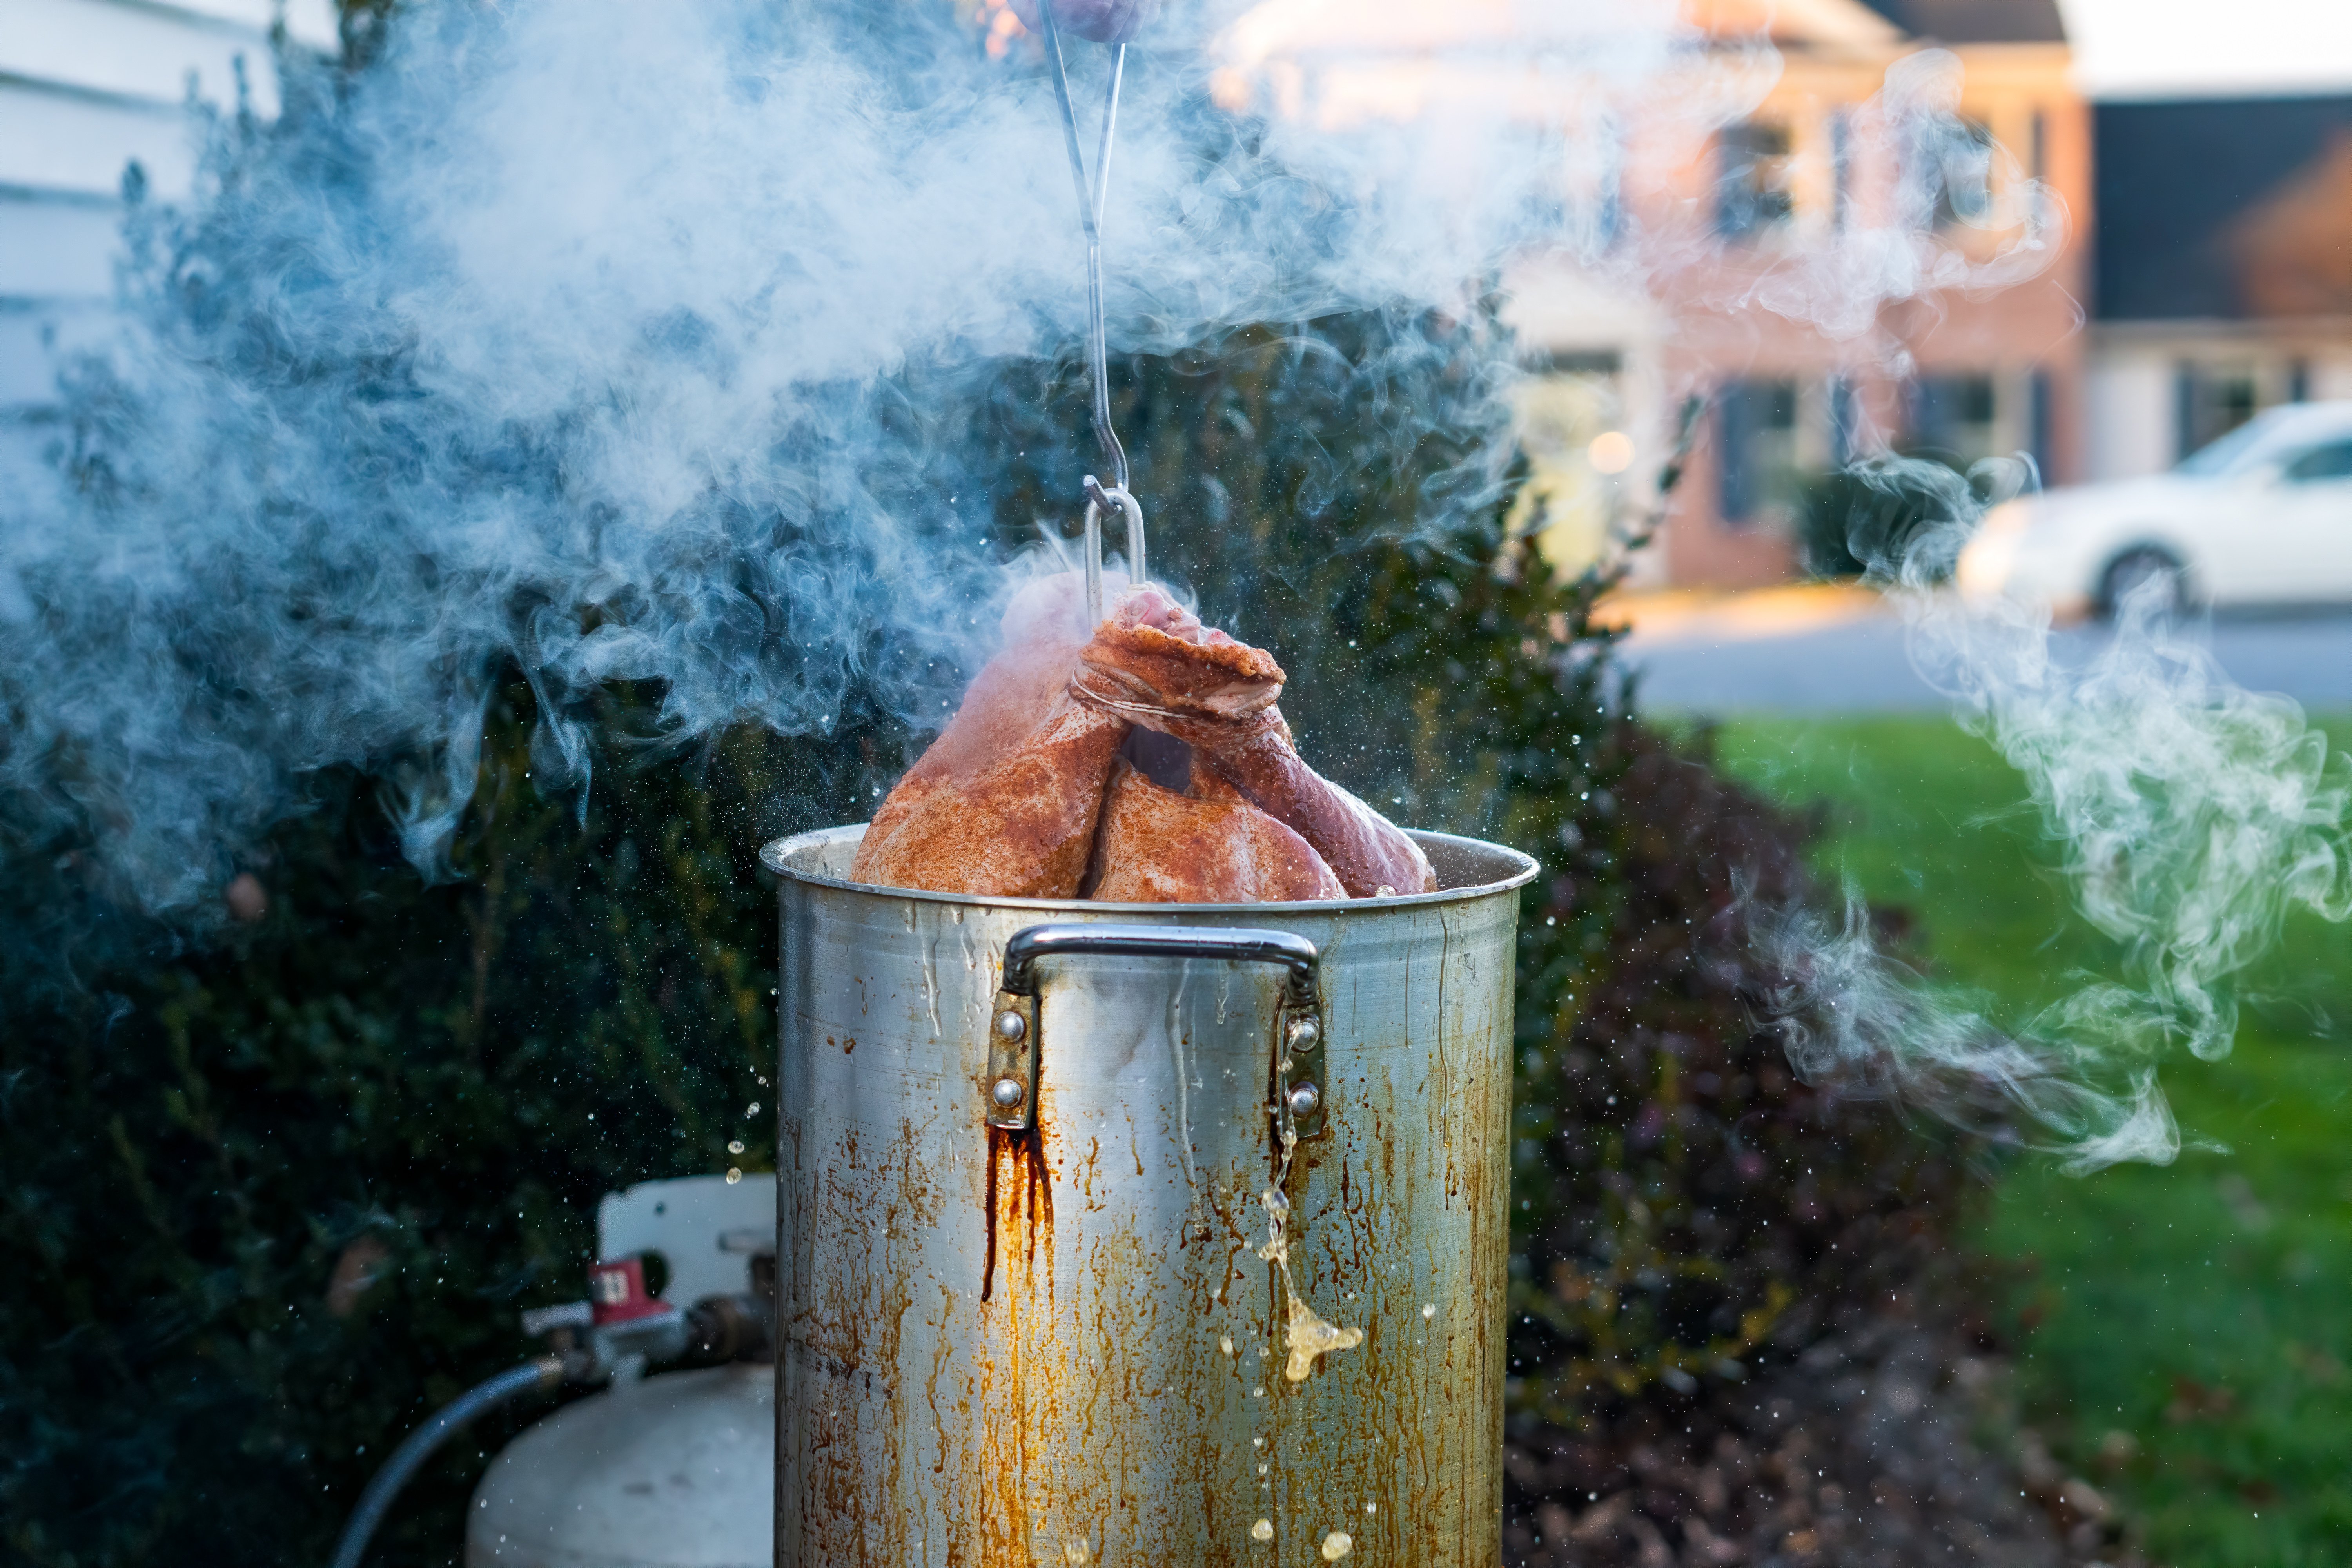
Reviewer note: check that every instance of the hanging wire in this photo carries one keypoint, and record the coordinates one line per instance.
(1091, 196)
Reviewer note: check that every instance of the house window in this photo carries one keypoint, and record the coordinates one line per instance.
(1962, 170)
(1756, 442)
(1952, 418)
(1591, 160)
(1845, 423)
(2041, 423)
(1543, 205)
(1607, 183)
(2210, 401)
(1752, 179)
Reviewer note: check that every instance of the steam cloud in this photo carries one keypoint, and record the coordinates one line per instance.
(613, 341)
(2192, 817)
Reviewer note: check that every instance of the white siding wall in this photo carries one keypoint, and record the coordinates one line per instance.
(2130, 394)
(50, 140)
(2135, 380)
(55, 250)
(87, 86)
(2331, 376)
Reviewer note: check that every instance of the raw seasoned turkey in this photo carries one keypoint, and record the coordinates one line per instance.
(1249, 748)
(1006, 801)
(1162, 848)
(1025, 793)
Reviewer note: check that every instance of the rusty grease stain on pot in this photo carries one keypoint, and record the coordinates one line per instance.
(1030, 1211)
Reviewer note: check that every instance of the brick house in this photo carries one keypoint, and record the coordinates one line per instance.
(1718, 204)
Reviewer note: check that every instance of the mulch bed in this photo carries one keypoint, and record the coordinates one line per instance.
(1886, 1444)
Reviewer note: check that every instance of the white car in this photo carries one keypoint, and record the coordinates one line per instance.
(2263, 516)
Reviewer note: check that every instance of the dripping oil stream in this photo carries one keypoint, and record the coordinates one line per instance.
(1307, 1335)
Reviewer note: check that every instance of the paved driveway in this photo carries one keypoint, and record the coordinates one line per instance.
(1837, 650)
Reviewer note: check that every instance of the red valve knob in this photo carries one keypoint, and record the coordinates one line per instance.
(618, 1293)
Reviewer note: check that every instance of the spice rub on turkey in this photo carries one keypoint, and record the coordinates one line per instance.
(1145, 763)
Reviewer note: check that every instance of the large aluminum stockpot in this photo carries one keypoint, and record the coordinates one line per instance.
(1070, 1193)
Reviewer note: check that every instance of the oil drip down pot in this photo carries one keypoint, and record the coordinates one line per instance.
(1141, 1234)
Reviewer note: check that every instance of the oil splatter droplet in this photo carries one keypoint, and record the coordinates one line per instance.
(1225, 1343)
(1308, 1333)
(1261, 1530)
(1428, 1310)
(1310, 1336)
(1075, 1552)
(735, 1146)
(1337, 1544)
(733, 1175)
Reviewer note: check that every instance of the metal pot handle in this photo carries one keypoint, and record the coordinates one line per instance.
(1014, 1027)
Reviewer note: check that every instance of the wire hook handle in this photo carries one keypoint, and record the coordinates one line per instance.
(1099, 501)
(1091, 199)
(1091, 196)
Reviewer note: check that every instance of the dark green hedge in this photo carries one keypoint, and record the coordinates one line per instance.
(446, 1076)
(193, 1137)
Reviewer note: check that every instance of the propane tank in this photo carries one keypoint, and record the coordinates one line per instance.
(671, 1470)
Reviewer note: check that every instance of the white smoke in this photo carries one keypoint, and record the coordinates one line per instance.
(609, 342)
(2191, 817)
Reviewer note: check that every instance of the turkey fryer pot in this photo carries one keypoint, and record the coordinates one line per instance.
(1027, 1163)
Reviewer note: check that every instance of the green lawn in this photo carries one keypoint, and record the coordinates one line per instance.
(2184, 1332)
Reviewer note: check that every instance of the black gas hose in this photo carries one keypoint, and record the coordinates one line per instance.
(547, 1371)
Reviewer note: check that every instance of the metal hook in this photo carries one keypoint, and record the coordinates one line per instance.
(1091, 197)
(1100, 501)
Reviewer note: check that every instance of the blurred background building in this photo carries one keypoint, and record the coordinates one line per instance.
(1760, 158)
(1823, 165)
(2206, 245)
(87, 87)
(2224, 274)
